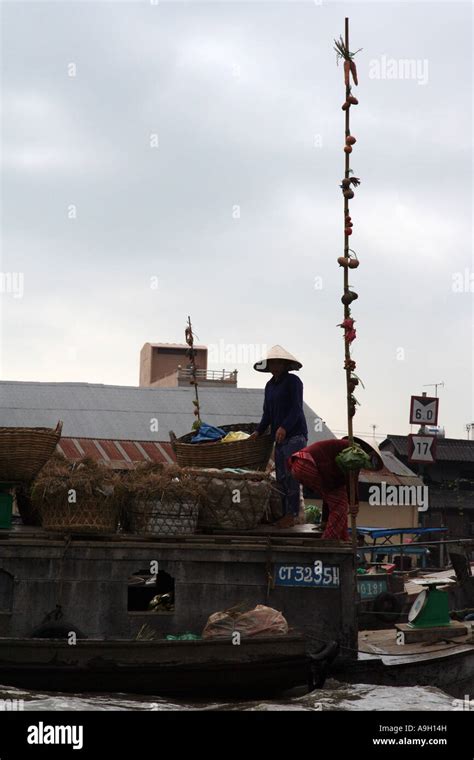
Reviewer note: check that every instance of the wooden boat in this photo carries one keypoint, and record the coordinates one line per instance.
(446, 663)
(382, 598)
(257, 667)
(385, 599)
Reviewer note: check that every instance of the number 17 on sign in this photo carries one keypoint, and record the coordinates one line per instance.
(422, 448)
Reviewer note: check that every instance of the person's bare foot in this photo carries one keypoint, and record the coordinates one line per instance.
(287, 521)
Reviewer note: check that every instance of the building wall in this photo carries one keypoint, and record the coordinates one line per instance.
(145, 366)
(374, 516)
(168, 381)
(460, 524)
(164, 360)
(159, 361)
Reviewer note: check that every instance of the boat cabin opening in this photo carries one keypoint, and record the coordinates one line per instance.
(150, 592)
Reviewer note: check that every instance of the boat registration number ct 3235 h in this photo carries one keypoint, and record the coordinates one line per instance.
(316, 575)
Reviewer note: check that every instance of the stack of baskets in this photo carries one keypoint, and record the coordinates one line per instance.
(231, 500)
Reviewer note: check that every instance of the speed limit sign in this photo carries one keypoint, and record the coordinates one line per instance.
(424, 410)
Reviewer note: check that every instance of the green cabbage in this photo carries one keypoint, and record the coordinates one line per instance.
(353, 458)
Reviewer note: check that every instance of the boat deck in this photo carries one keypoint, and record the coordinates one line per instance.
(382, 645)
(300, 536)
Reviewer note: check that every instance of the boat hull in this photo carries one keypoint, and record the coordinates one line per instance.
(197, 668)
(452, 671)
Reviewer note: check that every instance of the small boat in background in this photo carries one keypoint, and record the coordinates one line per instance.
(446, 663)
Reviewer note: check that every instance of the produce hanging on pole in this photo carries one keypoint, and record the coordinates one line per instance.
(348, 262)
(191, 353)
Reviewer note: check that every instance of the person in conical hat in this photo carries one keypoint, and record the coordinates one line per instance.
(283, 414)
(317, 467)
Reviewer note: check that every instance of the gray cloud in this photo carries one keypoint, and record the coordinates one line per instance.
(237, 94)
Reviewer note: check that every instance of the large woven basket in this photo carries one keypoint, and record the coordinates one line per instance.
(232, 501)
(153, 517)
(88, 515)
(253, 455)
(24, 451)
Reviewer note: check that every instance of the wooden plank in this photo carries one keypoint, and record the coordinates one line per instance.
(432, 635)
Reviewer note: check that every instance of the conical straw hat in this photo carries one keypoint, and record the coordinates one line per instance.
(371, 448)
(277, 352)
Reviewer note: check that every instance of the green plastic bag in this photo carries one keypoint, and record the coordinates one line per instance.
(183, 637)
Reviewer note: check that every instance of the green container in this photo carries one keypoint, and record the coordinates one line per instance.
(435, 611)
(6, 505)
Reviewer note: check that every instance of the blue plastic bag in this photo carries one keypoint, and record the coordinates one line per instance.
(208, 433)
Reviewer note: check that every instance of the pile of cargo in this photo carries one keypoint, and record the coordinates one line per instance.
(151, 500)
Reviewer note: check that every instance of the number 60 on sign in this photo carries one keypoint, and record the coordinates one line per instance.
(424, 410)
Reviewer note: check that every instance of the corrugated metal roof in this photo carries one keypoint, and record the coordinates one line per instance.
(393, 473)
(447, 449)
(385, 476)
(396, 466)
(123, 455)
(127, 413)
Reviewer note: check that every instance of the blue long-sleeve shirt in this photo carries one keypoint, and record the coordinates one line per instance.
(283, 406)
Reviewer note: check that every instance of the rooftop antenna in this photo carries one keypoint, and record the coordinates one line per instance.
(435, 386)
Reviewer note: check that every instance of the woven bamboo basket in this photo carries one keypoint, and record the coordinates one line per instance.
(24, 451)
(89, 515)
(253, 455)
(153, 517)
(232, 501)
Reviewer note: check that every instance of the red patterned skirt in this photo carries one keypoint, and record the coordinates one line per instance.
(305, 470)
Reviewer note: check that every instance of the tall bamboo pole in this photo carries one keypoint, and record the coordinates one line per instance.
(347, 310)
(189, 335)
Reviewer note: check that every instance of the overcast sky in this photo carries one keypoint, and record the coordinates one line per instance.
(176, 158)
